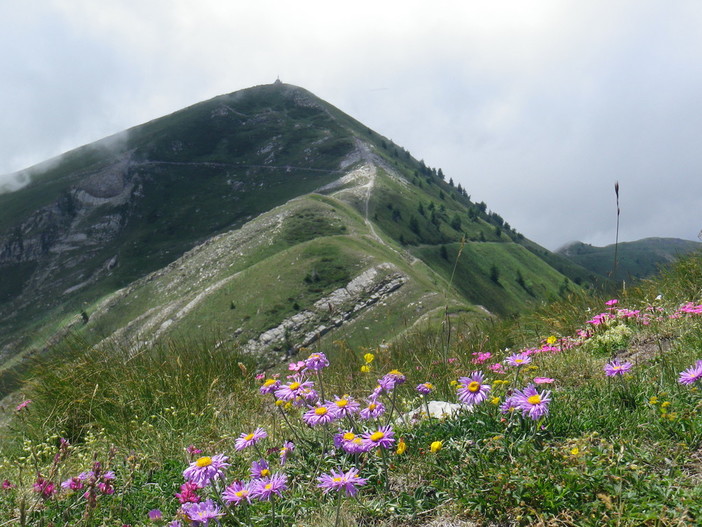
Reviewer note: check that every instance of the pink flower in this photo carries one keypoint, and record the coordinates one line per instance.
(21, 406)
(543, 380)
(297, 366)
(481, 357)
(188, 493)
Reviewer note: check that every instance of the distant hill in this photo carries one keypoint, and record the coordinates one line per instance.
(263, 219)
(635, 260)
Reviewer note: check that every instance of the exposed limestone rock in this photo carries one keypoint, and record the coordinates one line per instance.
(343, 304)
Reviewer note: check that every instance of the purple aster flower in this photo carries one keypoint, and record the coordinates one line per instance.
(264, 489)
(260, 469)
(373, 410)
(269, 386)
(471, 390)
(615, 368)
(348, 481)
(511, 403)
(425, 388)
(155, 515)
(247, 440)
(518, 359)
(532, 403)
(236, 493)
(316, 361)
(307, 396)
(202, 513)
(319, 415)
(294, 389)
(205, 469)
(692, 374)
(349, 442)
(343, 406)
(384, 437)
(391, 379)
(285, 451)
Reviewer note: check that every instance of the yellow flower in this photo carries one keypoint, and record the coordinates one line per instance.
(436, 446)
(495, 401)
(666, 404)
(365, 368)
(368, 357)
(653, 400)
(575, 451)
(401, 447)
(454, 383)
(551, 340)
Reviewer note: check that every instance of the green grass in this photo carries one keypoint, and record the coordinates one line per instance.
(611, 451)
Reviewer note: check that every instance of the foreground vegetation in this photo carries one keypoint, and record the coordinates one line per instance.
(584, 412)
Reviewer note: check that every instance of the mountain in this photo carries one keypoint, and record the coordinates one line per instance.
(265, 218)
(635, 260)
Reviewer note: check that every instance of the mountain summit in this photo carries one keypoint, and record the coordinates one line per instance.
(266, 218)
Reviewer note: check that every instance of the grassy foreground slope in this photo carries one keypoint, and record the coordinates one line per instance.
(609, 432)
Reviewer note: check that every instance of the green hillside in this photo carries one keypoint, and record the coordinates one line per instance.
(240, 220)
(635, 260)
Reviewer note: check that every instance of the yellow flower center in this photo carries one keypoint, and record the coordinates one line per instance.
(269, 486)
(249, 437)
(269, 382)
(534, 399)
(336, 480)
(349, 436)
(321, 410)
(242, 493)
(294, 385)
(395, 372)
(474, 386)
(341, 403)
(265, 473)
(372, 406)
(204, 461)
(377, 436)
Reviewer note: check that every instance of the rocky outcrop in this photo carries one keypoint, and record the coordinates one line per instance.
(332, 311)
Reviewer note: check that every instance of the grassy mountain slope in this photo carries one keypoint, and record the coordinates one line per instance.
(638, 259)
(204, 224)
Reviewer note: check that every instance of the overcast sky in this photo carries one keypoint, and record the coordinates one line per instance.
(536, 107)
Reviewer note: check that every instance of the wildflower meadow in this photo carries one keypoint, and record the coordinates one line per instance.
(583, 412)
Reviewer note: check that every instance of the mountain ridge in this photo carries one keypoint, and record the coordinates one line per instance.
(102, 221)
